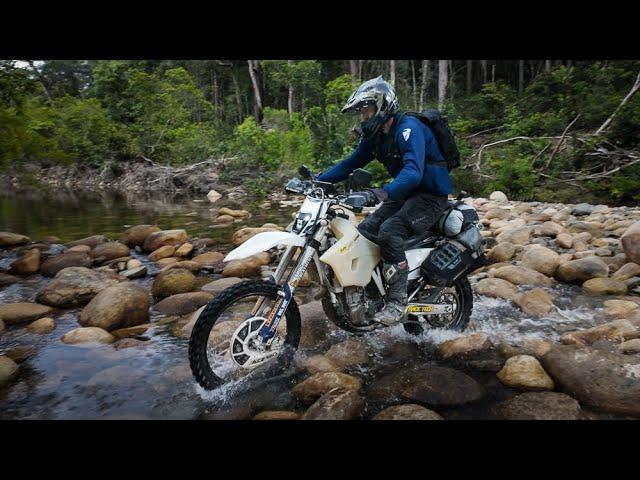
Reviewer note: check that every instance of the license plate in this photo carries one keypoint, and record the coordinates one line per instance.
(420, 309)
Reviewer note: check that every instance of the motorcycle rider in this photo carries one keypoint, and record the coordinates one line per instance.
(416, 198)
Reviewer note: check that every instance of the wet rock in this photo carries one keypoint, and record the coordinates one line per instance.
(163, 252)
(135, 272)
(605, 286)
(316, 326)
(277, 415)
(630, 242)
(164, 262)
(540, 406)
(408, 411)
(183, 330)
(464, 346)
(630, 346)
(2, 327)
(118, 375)
(234, 213)
(6, 280)
(8, 370)
(620, 308)
(337, 404)
(521, 276)
(172, 282)
(320, 383)
(109, 251)
(164, 237)
(223, 219)
(541, 259)
(208, 258)
(501, 252)
(499, 197)
(517, 236)
(52, 265)
(130, 331)
(535, 302)
(551, 229)
(129, 343)
(135, 236)
(92, 241)
(119, 306)
(440, 387)
(318, 364)
(578, 271)
(564, 240)
(183, 303)
(8, 239)
(74, 286)
(625, 272)
(184, 250)
(218, 286)
(348, 353)
(247, 267)
(87, 334)
(79, 249)
(524, 372)
(603, 380)
(246, 233)
(42, 326)
(22, 312)
(21, 353)
(27, 264)
(617, 330)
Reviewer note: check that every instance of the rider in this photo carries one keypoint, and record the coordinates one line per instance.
(413, 201)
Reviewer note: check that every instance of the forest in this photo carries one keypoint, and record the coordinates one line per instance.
(543, 130)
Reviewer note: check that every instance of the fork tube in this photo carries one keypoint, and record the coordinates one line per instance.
(277, 276)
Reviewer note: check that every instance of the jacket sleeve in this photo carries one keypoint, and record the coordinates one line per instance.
(412, 149)
(362, 155)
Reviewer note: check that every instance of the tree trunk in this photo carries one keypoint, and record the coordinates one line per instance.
(413, 84)
(520, 77)
(257, 108)
(360, 66)
(353, 68)
(483, 64)
(290, 102)
(234, 77)
(424, 83)
(443, 80)
(547, 65)
(392, 73)
(469, 75)
(493, 73)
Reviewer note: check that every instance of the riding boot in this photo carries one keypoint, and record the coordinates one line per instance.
(396, 276)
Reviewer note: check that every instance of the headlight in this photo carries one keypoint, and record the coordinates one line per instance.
(301, 221)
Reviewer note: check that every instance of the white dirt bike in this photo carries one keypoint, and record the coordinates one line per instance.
(241, 329)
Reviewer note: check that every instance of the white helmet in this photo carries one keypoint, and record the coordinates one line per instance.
(376, 92)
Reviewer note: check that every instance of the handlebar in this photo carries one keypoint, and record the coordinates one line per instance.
(354, 201)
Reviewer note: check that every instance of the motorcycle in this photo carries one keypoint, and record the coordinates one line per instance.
(323, 241)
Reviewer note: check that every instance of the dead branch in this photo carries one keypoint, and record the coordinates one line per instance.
(555, 150)
(499, 142)
(539, 155)
(632, 92)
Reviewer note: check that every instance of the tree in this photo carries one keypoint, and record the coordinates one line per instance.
(424, 83)
(257, 97)
(443, 80)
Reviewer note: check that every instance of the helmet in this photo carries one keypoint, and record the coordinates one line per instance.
(376, 92)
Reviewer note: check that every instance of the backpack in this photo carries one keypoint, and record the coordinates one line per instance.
(444, 136)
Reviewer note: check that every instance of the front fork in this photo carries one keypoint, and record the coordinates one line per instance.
(285, 293)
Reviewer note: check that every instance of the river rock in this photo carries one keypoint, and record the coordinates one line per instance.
(318, 364)
(109, 251)
(119, 306)
(184, 250)
(499, 197)
(603, 380)
(8, 369)
(218, 286)
(208, 258)
(117, 376)
(136, 272)
(164, 262)
(582, 269)
(135, 236)
(617, 330)
(223, 220)
(6, 280)
(524, 372)
(630, 242)
(348, 353)
(499, 213)
(87, 334)
(630, 346)
(75, 286)
(464, 346)
(551, 229)
(496, 287)
(564, 240)
(246, 233)
(213, 196)
(164, 237)
(582, 209)
(337, 404)
(519, 275)
(247, 267)
(441, 387)
(42, 326)
(52, 265)
(163, 252)
(172, 282)
(408, 411)
(277, 415)
(8, 239)
(605, 286)
(27, 264)
(535, 302)
(22, 312)
(517, 236)
(2, 327)
(320, 383)
(540, 406)
(79, 249)
(317, 327)
(501, 252)
(541, 259)
(183, 303)
(92, 241)
(627, 271)
(620, 308)
(234, 213)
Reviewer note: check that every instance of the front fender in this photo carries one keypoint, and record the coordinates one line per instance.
(263, 242)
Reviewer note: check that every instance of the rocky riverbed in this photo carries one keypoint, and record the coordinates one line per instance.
(97, 327)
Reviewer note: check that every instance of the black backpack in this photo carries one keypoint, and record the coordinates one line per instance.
(444, 136)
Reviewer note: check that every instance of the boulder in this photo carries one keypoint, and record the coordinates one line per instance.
(218, 286)
(551, 229)
(627, 271)
(183, 303)
(87, 334)
(519, 275)
(620, 308)
(499, 213)
(27, 264)
(603, 380)
(348, 353)
(8, 368)
(234, 213)
(109, 251)
(408, 411)
(605, 286)
(320, 383)
(441, 387)
(208, 258)
(630, 346)
(223, 220)
(277, 415)
(337, 404)
(501, 252)
(79, 249)
(135, 236)
(22, 312)
(577, 271)
(564, 240)
(517, 236)
(75, 286)
(213, 196)
(119, 306)
(52, 265)
(172, 282)
(184, 250)
(582, 209)
(498, 196)
(535, 302)
(496, 287)
(92, 241)
(540, 406)
(247, 267)
(246, 233)
(6, 280)
(318, 364)
(42, 326)
(164, 237)
(317, 327)
(541, 259)
(8, 239)
(630, 242)
(164, 262)
(524, 372)
(464, 346)
(163, 252)
(617, 330)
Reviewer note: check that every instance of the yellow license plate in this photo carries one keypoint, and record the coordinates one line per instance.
(420, 309)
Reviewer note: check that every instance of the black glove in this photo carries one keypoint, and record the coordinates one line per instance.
(380, 194)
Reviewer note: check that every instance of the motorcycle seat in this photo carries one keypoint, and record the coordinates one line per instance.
(421, 240)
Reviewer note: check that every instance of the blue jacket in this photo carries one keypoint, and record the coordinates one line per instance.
(412, 164)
